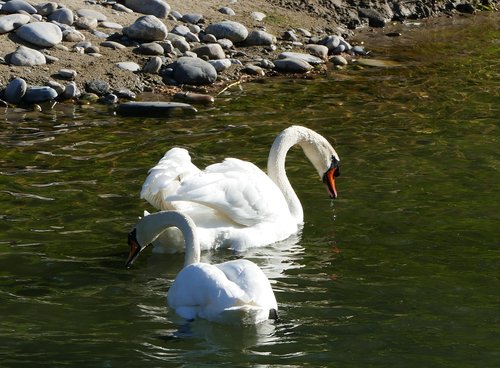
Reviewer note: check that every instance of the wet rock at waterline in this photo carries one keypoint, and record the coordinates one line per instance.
(153, 108)
(193, 71)
(39, 94)
(292, 65)
(15, 90)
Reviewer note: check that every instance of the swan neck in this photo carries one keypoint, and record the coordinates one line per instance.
(151, 226)
(277, 172)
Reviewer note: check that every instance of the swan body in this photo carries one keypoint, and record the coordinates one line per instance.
(230, 292)
(234, 203)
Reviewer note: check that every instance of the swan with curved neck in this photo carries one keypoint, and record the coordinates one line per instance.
(230, 292)
(234, 203)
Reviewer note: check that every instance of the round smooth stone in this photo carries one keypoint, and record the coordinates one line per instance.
(212, 51)
(147, 28)
(16, 6)
(39, 94)
(15, 90)
(153, 65)
(10, 22)
(227, 11)
(91, 14)
(40, 33)
(258, 16)
(129, 65)
(260, 38)
(25, 56)
(192, 18)
(68, 74)
(221, 64)
(311, 59)
(113, 45)
(292, 65)
(234, 31)
(63, 15)
(150, 48)
(158, 8)
(193, 71)
(98, 87)
(71, 91)
(320, 51)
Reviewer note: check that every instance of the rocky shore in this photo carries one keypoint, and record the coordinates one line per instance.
(112, 51)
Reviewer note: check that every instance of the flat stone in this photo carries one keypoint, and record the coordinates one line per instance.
(63, 15)
(88, 23)
(17, 6)
(15, 90)
(153, 108)
(305, 57)
(193, 71)
(113, 45)
(234, 31)
(111, 25)
(181, 30)
(158, 8)
(25, 56)
(92, 14)
(212, 51)
(147, 28)
(39, 94)
(11, 22)
(40, 33)
(129, 65)
(122, 8)
(149, 48)
(292, 65)
(69, 74)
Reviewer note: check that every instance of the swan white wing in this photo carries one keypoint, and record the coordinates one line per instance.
(165, 177)
(202, 290)
(236, 188)
(252, 280)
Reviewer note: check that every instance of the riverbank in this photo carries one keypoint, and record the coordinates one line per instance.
(100, 58)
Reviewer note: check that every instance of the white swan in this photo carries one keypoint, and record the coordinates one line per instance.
(234, 203)
(234, 291)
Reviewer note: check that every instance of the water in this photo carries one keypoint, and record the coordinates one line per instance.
(402, 270)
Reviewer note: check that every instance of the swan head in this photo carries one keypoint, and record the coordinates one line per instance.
(330, 175)
(135, 248)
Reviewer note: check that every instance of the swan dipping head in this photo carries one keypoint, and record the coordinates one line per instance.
(329, 177)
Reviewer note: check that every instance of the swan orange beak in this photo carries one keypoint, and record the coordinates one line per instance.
(329, 178)
(135, 248)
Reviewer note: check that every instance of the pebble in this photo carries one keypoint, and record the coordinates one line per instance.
(195, 98)
(73, 35)
(147, 28)
(158, 8)
(258, 16)
(193, 71)
(58, 87)
(153, 65)
(88, 23)
(15, 90)
(192, 18)
(226, 43)
(320, 51)
(227, 11)
(339, 60)
(292, 65)
(253, 70)
(111, 25)
(260, 38)
(128, 65)
(40, 34)
(92, 14)
(149, 48)
(71, 91)
(181, 30)
(10, 22)
(221, 64)
(179, 42)
(97, 87)
(211, 51)
(113, 45)
(234, 31)
(68, 74)
(39, 94)
(311, 59)
(25, 56)
(63, 15)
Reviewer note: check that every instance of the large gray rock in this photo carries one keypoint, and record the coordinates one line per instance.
(63, 15)
(16, 6)
(25, 56)
(15, 90)
(292, 65)
(147, 28)
(10, 22)
(193, 71)
(234, 31)
(39, 94)
(158, 8)
(40, 33)
(211, 51)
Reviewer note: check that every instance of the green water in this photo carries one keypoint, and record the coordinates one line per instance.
(401, 271)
